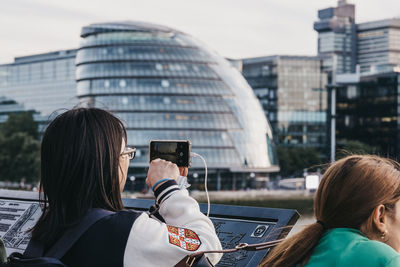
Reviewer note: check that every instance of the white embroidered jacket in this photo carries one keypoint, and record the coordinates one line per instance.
(186, 230)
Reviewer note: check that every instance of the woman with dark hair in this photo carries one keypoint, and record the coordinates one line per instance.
(357, 209)
(84, 164)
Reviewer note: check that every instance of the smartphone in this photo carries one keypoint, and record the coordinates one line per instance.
(176, 151)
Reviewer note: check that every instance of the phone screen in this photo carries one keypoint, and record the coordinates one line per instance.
(177, 152)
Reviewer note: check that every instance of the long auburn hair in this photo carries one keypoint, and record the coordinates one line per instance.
(350, 189)
(79, 169)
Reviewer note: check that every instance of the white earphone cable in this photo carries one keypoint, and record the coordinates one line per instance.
(205, 181)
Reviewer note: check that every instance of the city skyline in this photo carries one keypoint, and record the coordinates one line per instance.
(234, 29)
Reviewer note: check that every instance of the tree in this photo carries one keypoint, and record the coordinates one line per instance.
(20, 122)
(293, 160)
(19, 148)
(355, 147)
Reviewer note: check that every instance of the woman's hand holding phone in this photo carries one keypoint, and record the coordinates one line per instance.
(183, 171)
(161, 169)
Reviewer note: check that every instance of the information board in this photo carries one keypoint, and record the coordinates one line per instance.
(20, 210)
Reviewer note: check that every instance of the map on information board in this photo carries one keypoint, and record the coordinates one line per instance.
(16, 218)
(232, 232)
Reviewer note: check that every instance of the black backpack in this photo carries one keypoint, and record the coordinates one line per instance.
(34, 255)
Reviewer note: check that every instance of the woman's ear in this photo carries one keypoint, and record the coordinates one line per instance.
(379, 218)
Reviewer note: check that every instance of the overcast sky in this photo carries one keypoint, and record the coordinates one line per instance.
(234, 28)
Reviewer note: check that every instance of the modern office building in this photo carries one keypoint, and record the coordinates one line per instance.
(337, 37)
(43, 82)
(341, 42)
(291, 92)
(367, 111)
(164, 84)
(378, 45)
(359, 57)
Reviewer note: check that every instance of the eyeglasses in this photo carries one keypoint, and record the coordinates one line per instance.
(130, 152)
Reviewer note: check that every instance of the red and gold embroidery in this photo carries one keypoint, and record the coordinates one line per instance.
(173, 230)
(183, 238)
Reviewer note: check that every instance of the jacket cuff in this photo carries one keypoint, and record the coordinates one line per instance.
(165, 190)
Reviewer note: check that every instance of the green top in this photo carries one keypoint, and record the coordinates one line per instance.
(350, 247)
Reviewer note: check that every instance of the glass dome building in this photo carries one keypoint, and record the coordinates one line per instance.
(165, 84)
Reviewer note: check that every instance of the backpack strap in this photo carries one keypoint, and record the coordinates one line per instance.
(68, 239)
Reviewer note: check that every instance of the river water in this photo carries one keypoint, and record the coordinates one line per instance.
(301, 223)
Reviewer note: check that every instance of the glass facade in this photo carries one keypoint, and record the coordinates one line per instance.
(378, 44)
(378, 126)
(164, 84)
(337, 37)
(373, 46)
(291, 91)
(44, 82)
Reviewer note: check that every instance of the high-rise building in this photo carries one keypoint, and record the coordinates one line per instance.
(378, 45)
(337, 37)
(367, 111)
(291, 92)
(373, 46)
(43, 82)
(358, 59)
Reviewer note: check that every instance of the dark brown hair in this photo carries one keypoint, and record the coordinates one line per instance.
(79, 169)
(350, 189)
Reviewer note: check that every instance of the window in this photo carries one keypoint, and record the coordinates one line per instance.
(122, 83)
(352, 92)
(165, 83)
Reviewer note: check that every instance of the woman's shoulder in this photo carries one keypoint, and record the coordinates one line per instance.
(374, 253)
(349, 247)
(376, 249)
(120, 218)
